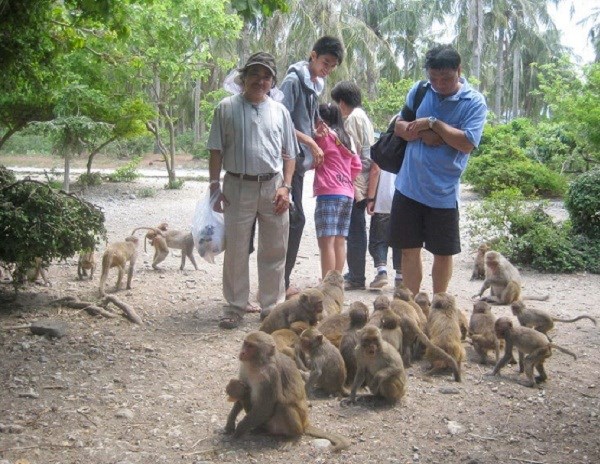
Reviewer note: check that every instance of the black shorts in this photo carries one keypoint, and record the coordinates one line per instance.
(415, 225)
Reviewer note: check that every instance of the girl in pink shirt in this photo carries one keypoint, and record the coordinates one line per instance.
(333, 187)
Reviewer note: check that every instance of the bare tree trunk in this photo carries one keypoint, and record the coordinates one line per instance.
(499, 74)
(476, 37)
(197, 93)
(516, 81)
(67, 173)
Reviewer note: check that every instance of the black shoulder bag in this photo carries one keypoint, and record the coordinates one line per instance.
(388, 151)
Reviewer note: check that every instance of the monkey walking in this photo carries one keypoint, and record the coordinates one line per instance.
(271, 391)
(539, 319)
(533, 347)
(170, 238)
(117, 255)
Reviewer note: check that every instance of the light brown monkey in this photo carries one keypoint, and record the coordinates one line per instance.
(332, 287)
(379, 304)
(402, 292)
(335, 325)
(379, 365)
(539, 319)
(170, 238)
(422, 299)
(306, 307)
(533, 347)
(86, 262)
(286, 341)
(443, 329)
(391, 329)
(463, 323)
(117, 255)
(37, 270)
(273, 394)
(481, 331)
(479, 264)
(327, 371)
(503, 280)
(359, 314)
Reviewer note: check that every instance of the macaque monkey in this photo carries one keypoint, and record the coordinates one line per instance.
(335, 325)
(271, 392)
(539, 319)
(391, 330)
(359, 314)
(332, 287)
(325, 363)
(422, 299)
(306, 307)
(481, 331)
(86, 262)
(37, 270)
(170, 238)
(479, 264)
(379, 365)
(443, 328)
(286, 341)
(116, 255)
(401, 292)
(503, 280)
(379, 304)
(533, 347)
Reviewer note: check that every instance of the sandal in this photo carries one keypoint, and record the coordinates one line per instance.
(231, 321)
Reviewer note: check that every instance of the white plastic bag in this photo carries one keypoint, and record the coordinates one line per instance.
(208, 228)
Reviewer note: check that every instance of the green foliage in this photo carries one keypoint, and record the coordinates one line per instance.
(251, 10)
(93, 178)
(127, 172)
(583, 203)
(528, 236)
(6, 176)
(391, 97)
(146, 192)
(38, 221)
(27, 143)
(175, 184)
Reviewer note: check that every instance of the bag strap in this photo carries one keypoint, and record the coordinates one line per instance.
(409, 114)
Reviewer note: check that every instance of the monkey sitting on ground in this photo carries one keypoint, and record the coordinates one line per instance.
(402, 292)
(306, 307)
(170, 238)
(422, 299)
(533, 347)
(481, 331)
(443, 328)
(117, 255)
(379, 365)
(327, 370)
(286, 341)
(335, 325)
(503, 280)
(359, 314)
(539, 319)
(271, 392)
(391, 330)
(37, 270)
(479, 264)
(86, 262)
(332, 287)
(379, 304)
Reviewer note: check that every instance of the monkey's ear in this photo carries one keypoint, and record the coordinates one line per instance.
(319, 338)
(303, 298)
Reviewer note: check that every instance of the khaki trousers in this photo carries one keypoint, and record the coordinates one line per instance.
(250, 201)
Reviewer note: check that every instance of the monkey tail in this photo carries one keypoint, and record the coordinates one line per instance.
(106, 259)
(584, 316)
(535, 297)
(338, 441)
(441, 353)
(564, 350)
(153, 229)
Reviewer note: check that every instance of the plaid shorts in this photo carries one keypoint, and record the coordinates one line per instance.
(332, 215)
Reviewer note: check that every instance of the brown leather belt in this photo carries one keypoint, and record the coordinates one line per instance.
(255, 178)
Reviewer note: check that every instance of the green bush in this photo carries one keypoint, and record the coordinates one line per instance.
(146, 192)
(134, 146)
(174, 185)
(25, 143)
(583, 203)
(93, 178)
(127, 172)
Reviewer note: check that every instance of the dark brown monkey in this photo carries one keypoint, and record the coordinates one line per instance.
(422, 299)
(391, 329)
(479, 264)
(86, 262)
(273, 394)
(503, 280)
(533, 347)
(359, 314)
(117, 255)
(170, 238)
(443, 328)
(402, 292)
(379, 365)
(539, 319)
(327, 370)
(481, 331)
(306, 307)
(332, 287)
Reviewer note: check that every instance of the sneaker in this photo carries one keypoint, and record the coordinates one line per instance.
(350, 285)
(380, 280)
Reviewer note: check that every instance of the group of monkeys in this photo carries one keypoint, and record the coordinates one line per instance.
(118, 254)
(308, 343)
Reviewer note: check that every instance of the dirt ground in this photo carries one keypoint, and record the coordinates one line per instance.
(111, 391)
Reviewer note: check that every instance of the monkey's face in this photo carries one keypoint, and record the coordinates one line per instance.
(132, 239)
(517, 308)
(502, 327)
(370, 345)
(481, 307)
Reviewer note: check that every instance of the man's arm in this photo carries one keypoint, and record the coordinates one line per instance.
(452, 136)
(282, 194)
(215, 163)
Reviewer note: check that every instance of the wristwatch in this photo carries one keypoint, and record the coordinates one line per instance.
(287, 186)
(432, 120)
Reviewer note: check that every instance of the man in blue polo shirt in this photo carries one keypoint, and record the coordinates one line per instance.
(448, 127)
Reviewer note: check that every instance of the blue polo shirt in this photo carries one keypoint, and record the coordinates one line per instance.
(431, 175)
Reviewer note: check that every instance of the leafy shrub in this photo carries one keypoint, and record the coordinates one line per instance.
(583, 203)
(27, 143)
(93, 178)
(146, 192)
(134, 146)
(200, 151)
(127, 172)
(6, 176)
(175, 184)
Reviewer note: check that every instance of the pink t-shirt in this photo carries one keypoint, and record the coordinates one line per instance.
(339, 168)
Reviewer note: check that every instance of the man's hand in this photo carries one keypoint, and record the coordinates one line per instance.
(221, 201)
(281, 202)
(431, 138)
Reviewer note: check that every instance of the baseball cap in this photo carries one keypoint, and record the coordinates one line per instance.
(264, 59)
